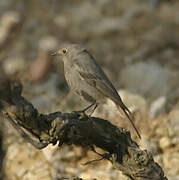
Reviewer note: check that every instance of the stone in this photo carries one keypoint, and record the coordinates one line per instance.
(142, 77)
(165, 142)
(171, 161)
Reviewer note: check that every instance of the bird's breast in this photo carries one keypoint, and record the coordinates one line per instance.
(71, 77)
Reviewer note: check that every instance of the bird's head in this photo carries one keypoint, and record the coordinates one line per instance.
(69, 52)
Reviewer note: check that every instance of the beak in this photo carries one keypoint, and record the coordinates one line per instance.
(54, 54)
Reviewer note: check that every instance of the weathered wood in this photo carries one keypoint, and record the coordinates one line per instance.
(79, 129)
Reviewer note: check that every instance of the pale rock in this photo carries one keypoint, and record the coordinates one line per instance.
(173, 177)
(147, 78)
(48, 43)
(49, 151)
(13, 65)
(173, 120)
(22, 172)
(171, 162)
(102, 174)
(157, 106)
(12, 152)
(9, 18)
(150, 144)
(162, 128)
(134, 102)
(159, 159)
(38, 171)
(165, 143)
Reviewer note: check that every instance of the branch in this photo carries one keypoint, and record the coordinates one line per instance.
(79, 129)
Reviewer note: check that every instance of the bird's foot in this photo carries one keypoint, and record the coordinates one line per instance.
(93, 110)
(88, 107)
(83, 111)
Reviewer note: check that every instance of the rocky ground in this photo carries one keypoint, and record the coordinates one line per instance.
(137, 44)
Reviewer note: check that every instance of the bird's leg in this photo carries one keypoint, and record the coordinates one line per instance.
(83, 111)
(88, 107)
(96, 105)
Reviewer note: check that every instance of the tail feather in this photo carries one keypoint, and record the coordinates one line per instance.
(128, 113)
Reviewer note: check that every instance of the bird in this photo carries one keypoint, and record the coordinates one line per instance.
(86, 78)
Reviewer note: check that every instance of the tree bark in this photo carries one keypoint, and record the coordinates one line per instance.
(79, 129)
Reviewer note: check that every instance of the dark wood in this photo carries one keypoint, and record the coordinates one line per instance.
(79, 129)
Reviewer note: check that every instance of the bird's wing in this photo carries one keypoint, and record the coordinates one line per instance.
(91, 72)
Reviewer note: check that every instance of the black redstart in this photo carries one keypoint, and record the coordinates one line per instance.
(86, 78)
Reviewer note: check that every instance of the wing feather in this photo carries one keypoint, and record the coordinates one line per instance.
(90, 70)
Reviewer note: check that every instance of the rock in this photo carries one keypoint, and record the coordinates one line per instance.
(38, 171)
(157, 106)
(171, 161)
(159, 126)
(99, 173)
(49, 152)
(25, 162)
(159, 159)
(46, 93)
(133, 101)
(165, 142)
(41, 67)
(173, 126)
(10, 18)
(173, 177)
(148, 79)
(9, 21)
(14, 65)
(48, 43)
(150, 144)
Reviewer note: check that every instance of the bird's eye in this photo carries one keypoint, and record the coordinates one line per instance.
(64, 51)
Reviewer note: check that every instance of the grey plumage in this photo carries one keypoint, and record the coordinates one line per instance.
(86, 78)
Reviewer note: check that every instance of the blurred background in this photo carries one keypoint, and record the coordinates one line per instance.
(137, 44)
